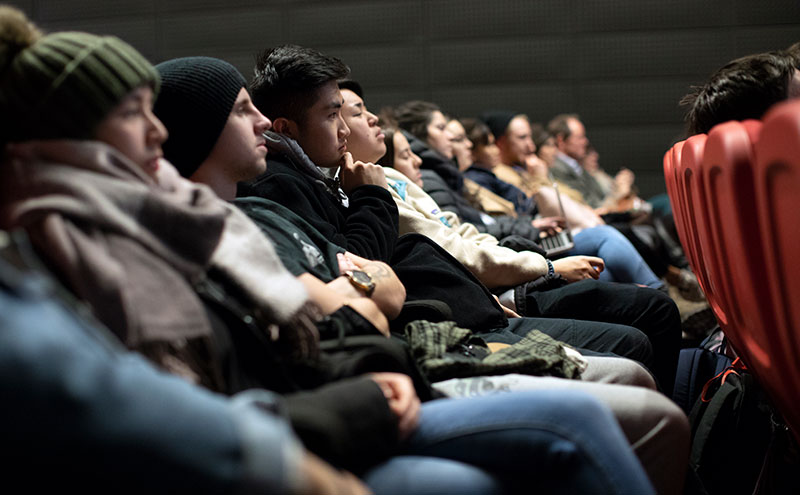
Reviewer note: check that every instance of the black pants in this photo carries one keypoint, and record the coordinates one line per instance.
(591, 338)
(648, 310)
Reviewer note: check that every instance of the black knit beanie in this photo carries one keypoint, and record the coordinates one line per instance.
(196, 98)
(62, 85)
(497, 121)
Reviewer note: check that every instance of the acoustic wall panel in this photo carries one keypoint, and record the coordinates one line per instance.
(766, 12)
(622, 64)
(641, 55)
(631, 101)
(539, 101)
(75, 10)
(201, 33)
(516, 60)
(384, 66)
(650, 15)
(358, 24)
(478, 19)
(172, 6)
(634, 147)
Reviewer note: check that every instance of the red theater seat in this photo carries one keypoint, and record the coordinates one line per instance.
(688, 184)
(777, 198)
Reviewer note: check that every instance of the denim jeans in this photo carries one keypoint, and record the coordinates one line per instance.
(656, 428)
(542, 441)
(419, 475)
(623, 263)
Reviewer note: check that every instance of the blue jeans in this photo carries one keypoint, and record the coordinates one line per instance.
(416, 475)
(542, 441)
(623, 262)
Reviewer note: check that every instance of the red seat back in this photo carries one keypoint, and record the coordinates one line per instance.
(733, 243)
(689, 187)
(777, 198)
(671, 160)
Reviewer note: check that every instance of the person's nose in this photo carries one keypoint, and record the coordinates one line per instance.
(263, 124)
(157, 131)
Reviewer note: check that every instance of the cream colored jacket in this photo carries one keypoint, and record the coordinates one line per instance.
(494, 265)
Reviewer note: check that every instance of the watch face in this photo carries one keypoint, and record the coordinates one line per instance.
(361, 277)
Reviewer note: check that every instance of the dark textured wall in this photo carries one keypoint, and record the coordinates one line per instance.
(621, 64)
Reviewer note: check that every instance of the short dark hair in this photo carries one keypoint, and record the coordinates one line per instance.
(559, 125)
(477, 131)
(539, 134)
(794, 52)
(742, 89)
(352, 85)
(288, 77)
(414, 117)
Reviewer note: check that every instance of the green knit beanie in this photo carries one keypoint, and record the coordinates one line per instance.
(62, 85)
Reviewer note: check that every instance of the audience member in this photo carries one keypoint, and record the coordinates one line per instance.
(570, 136)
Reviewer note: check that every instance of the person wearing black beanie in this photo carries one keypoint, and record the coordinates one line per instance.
(497, 120)
(199, 97)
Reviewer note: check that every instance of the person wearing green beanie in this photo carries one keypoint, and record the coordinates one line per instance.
(62, 85)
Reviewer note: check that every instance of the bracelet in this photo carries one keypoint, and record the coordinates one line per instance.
(550, 269)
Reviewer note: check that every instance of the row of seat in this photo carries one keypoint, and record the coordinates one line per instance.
(735, 195)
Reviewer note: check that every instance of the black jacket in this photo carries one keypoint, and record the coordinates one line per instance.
(367, 227)
(426, 270)
(500, 226)
(444, 182)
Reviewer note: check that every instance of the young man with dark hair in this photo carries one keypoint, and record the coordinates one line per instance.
(744, 88)
(299, 88)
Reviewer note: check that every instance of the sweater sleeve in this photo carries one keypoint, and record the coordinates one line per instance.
(348, 423)
(492, 264)
(505, 226)
(368, 227)
(371, 226)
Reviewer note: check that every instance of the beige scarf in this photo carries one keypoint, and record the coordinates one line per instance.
(133, 248)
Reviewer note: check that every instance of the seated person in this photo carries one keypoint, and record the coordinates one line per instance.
(570, 135)
(742, 89)
(304, 249)
(481, 172)
(125, 223)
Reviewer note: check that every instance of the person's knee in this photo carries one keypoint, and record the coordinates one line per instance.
(638, 375)
(636, 342)
(619, 371)
(663, 307)
(669, 423)
(430, 475)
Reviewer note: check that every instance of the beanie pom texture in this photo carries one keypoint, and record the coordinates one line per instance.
(16, 34)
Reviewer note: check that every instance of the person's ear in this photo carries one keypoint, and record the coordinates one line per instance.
(560, 142)
(500, 142)
(284, 126)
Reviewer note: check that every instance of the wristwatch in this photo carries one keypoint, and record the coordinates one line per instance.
(361, 280)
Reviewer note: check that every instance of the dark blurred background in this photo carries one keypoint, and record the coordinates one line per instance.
(622, 65)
